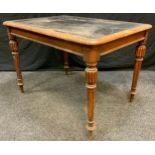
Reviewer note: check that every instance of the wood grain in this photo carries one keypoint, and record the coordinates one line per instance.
(96, 38)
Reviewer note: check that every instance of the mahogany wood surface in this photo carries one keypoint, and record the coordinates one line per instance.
(87, 37)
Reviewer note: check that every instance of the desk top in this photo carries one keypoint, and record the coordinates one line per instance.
(79, 29)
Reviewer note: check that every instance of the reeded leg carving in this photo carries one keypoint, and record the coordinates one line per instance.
(15, 53)
(140, 52)
(66, 63)
(91, 76)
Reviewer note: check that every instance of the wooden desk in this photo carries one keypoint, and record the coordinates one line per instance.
(88, 37)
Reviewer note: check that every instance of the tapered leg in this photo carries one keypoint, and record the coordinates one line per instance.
(91, 58)
(66, 63)
(140, 52)
(15, 53)
(91, 76)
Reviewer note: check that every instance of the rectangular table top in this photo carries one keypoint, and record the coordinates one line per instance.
(79, 29)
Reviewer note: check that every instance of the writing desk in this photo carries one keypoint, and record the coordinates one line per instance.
(87, 37)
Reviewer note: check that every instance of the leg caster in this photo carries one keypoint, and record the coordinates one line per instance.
(91, 127)
(20, 84)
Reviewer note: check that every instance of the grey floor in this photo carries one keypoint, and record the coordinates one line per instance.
(54, 107)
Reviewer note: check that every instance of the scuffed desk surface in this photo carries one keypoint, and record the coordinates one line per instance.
(88, 28)
(80, 26)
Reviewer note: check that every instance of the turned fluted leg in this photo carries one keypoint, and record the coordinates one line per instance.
(16, 56)
(66, 63)
(91, 76)
(140, 52)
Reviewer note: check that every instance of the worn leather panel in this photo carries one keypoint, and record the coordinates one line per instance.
(80, 26)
